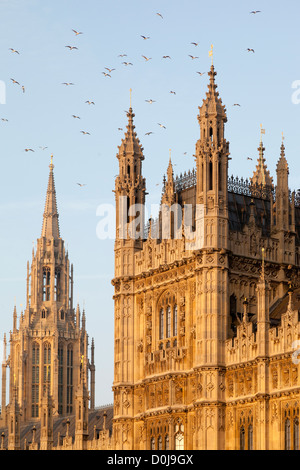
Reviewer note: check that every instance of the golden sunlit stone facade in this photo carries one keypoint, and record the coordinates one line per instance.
(205, 330)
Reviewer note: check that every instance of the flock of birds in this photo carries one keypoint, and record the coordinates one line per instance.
(108, 74)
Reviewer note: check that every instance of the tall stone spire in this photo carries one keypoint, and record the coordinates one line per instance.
(50, 221)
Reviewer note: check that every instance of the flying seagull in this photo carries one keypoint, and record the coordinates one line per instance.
(193, 57)
(159, 14)
(85, 133)
(67, 83)
(161, 125)
(110, 70)
(29, 150)
(127, 63)
(90, 102)
(145, 37)
(15, 81)
(14, 50)
(173, 92)
(76, 32)
(72, 47)
(201, 73)
(236, 104)
(149, 133)
(75, 117)
(146, 58)
(106, 74)
(122, 55)
(4, 119)
(150, 101)
(250, 50)
(255, 11)
(81, 184)
(195, 43)
(43, 148)
(248, 158)
(166, 57)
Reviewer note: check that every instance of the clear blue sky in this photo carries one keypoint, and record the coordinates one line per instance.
(42, 116)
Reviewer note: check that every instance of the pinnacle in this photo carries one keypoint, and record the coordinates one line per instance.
(50, 227)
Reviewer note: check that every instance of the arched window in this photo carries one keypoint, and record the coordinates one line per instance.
(152, 443)
(250, 437)
(60, 378)
(159, 442)
(44, 313)
(69, 379)
(287, 434)
(57, 285)
(211, 134)
(46, 284)
(210, 176)
(167, 442)
(35, 380)
(161, 324)
(168, 320)
(296, 434)
(179, 436)
(242, 439)
(47, 363)
(175, 320)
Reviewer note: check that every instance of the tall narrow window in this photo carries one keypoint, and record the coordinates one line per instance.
(210, 176)
(47, 363)
(57, 285)
(242, 439)
(60, 379)
(167, 442)
(179, 437)
(287, 434)
(35, 381)
(211, 134)
(46, 284)
(70, 380)
(152, 443)
(296, 434)
(159, 441)
(250, 437)
(175, 320)
(168, 325)
(220, 176)
(161, 324)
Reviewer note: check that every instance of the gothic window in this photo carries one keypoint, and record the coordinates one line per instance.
(211, 134)
(179, 436)
(296, 434)
(44, 313)
(69, 379)
(47, 363)
(167, 442)
(242, 439)
(167, 318)
(210, 176)
(220, 176)
(168, 321)
(152, 443)
(60, 378)
(250, 437)
(161, 324)
(175, 320)
(287, 434)
(35, 380)
(159, 443)
(62, 314)
(57, 285)
(46, 284)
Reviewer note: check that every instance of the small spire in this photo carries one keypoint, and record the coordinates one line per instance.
(50, 227)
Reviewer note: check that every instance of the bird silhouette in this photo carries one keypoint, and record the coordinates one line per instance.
(71, 47)
(85, 133)
(173, 92)
(122, 55)
(29, 150)
(195, 43)
(201, 73)
(166, 57)
(146, 58)
(109, 70)
(161, 125)
(150, 101)
(43, 148)
(4, 119)
(255, 11)
(236, 104)
(14, 50)
(149, 133)
(159, 14)
(193, 57)
(250, 50)
(90, 102)
(67, 83)
(127, 63)
(145, 37)
(81, 184)
(75, 117)
(76, 32)
(15, 81)
(248, 158)
(106, 74)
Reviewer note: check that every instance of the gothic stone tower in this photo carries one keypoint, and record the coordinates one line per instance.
(203, 329)
(50, 344)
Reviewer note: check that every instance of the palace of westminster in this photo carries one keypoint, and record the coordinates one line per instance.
(206, 335)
